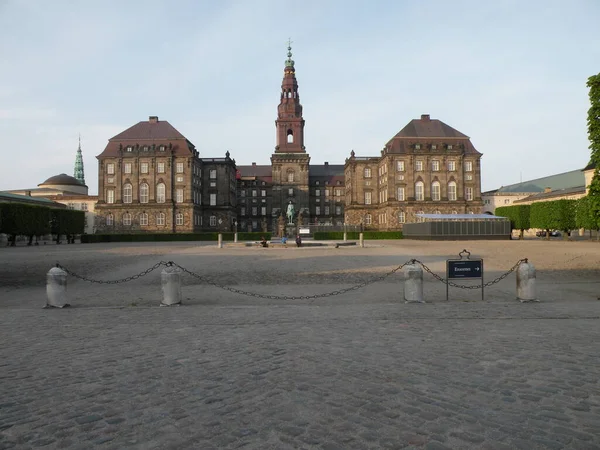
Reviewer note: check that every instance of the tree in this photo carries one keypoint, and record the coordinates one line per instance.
(519, 216)
(594, 136)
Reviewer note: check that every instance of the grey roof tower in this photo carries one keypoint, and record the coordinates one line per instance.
(78, 173)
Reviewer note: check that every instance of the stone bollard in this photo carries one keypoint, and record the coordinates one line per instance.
(235, 237)
(220, 241)
(56, 288)
(361, 240)
(413, 283)
(526, 282)
(170, 279)
(345, 236)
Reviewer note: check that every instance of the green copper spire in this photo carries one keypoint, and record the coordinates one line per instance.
(78, 174)
(289, 62)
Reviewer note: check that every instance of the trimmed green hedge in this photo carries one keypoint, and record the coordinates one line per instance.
(338, 235)
(519, 216)
(166, 237)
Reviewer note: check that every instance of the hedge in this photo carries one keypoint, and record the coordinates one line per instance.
(519, 215)
(337, 235)
(166, 237)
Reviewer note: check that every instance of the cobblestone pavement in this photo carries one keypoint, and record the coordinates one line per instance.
(359, 371)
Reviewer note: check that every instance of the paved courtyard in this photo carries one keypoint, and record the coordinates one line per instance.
(361, 370)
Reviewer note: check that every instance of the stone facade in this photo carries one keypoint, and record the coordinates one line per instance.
(428, 167)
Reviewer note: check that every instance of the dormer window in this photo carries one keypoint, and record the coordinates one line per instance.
(417, 146)
(145, 148)
(449, 146)
(433, 147)
(317, 183)
(161, 148)
(129, 148)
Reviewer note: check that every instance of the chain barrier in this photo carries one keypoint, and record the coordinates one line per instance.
(291, 297)
(122, 280)
(478, 286)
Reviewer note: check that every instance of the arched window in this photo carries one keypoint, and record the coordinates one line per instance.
(126, 219)
(452, 191)
(144, 219)
(290, 137)
(160, 193)
(179, 219)
(401, 217)
(109, 219)
(290, 176)
(160, 219)
(435, 191)
(454, 212)
(127, 193)
(420, 219)
(144, 191)
(438, 212)
(419, 191)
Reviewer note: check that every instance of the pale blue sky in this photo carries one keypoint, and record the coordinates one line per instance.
(509, 74)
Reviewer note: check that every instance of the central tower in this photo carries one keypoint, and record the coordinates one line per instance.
(290, 162)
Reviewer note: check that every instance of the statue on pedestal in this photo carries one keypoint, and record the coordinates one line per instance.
(290, 213)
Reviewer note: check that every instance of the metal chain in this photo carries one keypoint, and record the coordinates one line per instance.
(478, 286)
(292, 297)
(122, 280)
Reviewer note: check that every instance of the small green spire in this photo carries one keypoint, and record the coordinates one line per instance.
(78, 173)
(289, 62)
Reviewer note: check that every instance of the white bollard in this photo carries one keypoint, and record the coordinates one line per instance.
(361, 240)
(413, 283)
(345, 236)
(235, 237)
(56, 288)
(526, 283)
(220, 241)
(170, 279)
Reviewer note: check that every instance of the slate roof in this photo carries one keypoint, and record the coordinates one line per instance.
(552, 194)
(429, 128)
(62, 179)
(8, 197)
(147, 133)
(565, 180)
(255, 171)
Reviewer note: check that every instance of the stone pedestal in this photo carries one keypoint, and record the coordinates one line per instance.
(220, 241)
(526, 283)
(361, 240)
(413, 283)
(56, 288)
(170, 279)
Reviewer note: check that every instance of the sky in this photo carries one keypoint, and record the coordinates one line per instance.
(510, 74)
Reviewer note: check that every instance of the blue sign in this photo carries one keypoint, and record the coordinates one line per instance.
(465, 268)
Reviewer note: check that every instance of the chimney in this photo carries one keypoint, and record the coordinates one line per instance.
(153, 119)
(547, 189)
(425, 117)
(253, 164)
(326, 163)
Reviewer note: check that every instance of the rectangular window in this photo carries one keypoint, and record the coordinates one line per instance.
(144, 219)
(317, 210)
(338, 210)
(400, 194)
(243, 193)
(317, 192)
(242, 211)
(417, 146)
(401, 217)
(144, 167)
(469, 194)
(368, 219)
(160, 167)
(179, 196)
(326, 192)
(263, 211)
(452, 192)
(469, 177)
(468, 166)
(254, 193)
(263, 193)
(291, 192)
(213, 199)
(110, 196)
(367, 172)
(451, 166)
(254, 211)
(213, 221)
(399, 166)
(327, 210)
(433, 147)
(127, 168)
(179, 219)
(419, 166)
(367, 198)
(435, 192)
(435, 166)
(419, 194)
(450, 147)
(212, 174)
(179, 178)
(110, 169)
(338, 192)
(179, 167)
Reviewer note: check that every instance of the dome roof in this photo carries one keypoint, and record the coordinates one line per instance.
(62, 180)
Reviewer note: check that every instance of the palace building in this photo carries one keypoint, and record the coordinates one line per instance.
(152, 178)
